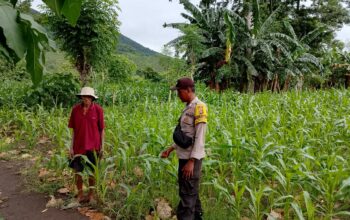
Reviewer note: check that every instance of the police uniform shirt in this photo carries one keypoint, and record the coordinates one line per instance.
(193, 123)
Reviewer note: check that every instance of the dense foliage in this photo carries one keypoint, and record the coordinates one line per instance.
(120, 68)
(9, 70)
(57, 89)
(259, 45)
(149, 73)
(93, 39)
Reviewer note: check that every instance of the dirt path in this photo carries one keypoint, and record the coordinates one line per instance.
(21, 205)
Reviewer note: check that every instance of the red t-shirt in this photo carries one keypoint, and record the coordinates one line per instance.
(87, 128)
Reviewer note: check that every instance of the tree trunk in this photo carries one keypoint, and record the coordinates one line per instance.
(287, 83)
(347, 80)
(298, 5)
(275, 87)
(300, 82)
(83, 68)
(212, 82)
(264, 85)
(249, 18)
(217, 87)
(271, 6)
(243, 84)
(251, 83)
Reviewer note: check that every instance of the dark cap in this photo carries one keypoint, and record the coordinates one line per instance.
(183, 83)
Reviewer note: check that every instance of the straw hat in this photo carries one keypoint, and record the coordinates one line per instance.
(87, 91)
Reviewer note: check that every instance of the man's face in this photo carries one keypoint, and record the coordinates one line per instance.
(87, 100)
(183, 94)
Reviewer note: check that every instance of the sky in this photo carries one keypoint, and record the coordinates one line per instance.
(142, 21)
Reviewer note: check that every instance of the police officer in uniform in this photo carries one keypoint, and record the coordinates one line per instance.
(192, 123)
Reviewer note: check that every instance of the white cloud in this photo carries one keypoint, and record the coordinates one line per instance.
(143, 21)
(344, 34)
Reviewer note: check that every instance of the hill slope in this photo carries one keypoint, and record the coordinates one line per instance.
(142, 56)
(126, 45)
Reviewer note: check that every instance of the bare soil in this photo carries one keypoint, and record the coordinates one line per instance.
(17, 203)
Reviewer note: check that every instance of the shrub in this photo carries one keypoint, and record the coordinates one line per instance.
(56, 89)
(12, 93)
(150, 74)
(121, 68)
(9, 70)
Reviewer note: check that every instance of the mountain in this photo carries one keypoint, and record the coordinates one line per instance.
(142, 56)
(126, 45)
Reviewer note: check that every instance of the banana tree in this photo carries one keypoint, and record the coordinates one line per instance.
(189, 44)
(336, 67)
(209, 26)
(22, 37)
(300, 61)
(241, 44)
(258, 45)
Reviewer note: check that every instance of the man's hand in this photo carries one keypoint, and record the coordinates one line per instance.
(187, 170)
(166, 153)
(71, 153)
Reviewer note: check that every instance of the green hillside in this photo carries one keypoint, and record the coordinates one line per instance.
(142, 56)
(126, 45)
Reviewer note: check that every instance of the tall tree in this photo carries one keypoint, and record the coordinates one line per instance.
(93, 39)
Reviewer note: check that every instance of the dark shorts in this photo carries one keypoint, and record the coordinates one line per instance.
(78, 163)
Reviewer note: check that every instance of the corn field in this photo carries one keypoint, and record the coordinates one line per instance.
(267, 154)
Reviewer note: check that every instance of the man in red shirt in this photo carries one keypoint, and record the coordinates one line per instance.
(87, 122)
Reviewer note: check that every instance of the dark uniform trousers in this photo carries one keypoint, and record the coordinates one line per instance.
(190, 207)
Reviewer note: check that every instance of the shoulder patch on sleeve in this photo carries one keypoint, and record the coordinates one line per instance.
(200, 113)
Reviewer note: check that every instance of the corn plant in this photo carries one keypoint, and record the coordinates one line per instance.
(287, 152)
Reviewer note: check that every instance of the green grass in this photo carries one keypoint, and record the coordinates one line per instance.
(287, 152)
